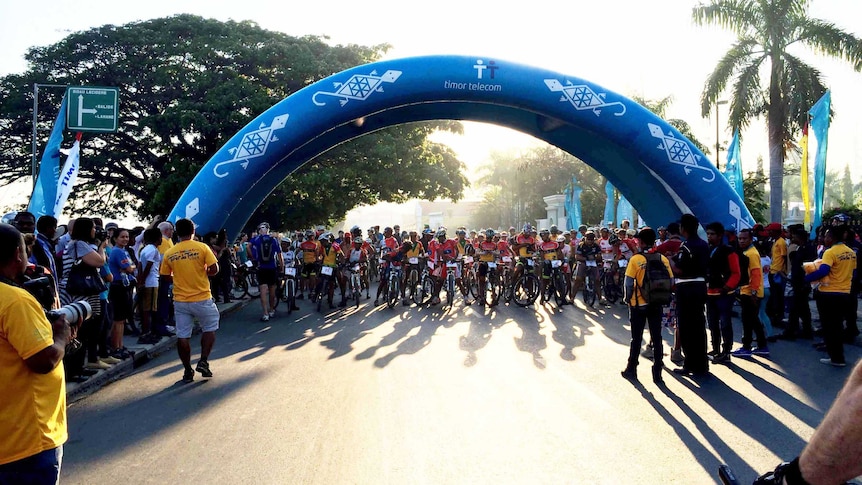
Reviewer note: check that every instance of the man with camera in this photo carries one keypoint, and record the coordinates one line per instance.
(33, 409)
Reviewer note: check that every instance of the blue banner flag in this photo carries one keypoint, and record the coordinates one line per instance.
(609, 205)
(820, 131)
(733, 168)
(573, 204)
(625, 212)
(45, 190)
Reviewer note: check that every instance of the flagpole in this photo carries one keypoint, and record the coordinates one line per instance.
(36, 87)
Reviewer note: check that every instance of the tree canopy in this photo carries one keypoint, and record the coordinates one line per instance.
(187, 84)
(766, 77)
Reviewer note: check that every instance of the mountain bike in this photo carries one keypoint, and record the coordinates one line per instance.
(451, 268)
(556, 284)
(493, 289)
(526, 288)
(611, 290)
(355, 271)
(413, 281)
(324, 281)
(590, 277)
(288, 293)
(393, 288)
(469, 281)
(245, 281)
(426, 285)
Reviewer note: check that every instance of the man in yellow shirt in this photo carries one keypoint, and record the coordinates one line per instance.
(777, 275)
(750, 294)
(33, 406)
(641, 312)
(188, 265)
(834, 298)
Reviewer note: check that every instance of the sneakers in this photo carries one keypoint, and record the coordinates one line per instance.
(265, 317)
(271, 313)
(648, 352)
(204, 368)
(629, 374)
(761, 351)
(742, 352)
(300, 296)
(721, 358)
(110, 360)
(188, 375)
(149, 339)
(97, 365)
(712, 353)
(828, 361)
(676, 357)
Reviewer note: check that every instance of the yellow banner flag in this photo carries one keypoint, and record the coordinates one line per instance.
(806, 199)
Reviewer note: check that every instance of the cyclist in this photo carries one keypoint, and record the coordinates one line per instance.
(465, 248)
(488, 252)
(609, 246)
(353, 254)
(587, 255)
(524, 247)
(391, 254)
(550, 251)
(266, 254)
(441, 250)
(288, 258)
(308, 276)
(329, 255)
(414, 253)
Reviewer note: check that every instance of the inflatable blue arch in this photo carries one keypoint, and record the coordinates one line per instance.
(658, 170)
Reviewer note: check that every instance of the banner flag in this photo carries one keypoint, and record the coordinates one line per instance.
(624, 211)
(609, 205)
(806, 197)
(820, 130)
(67, 178)
(45, 189)
(573, 204)
(733, 168)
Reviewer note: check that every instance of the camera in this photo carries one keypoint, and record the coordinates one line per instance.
(75, 312)
(101, 234)
(42, 288)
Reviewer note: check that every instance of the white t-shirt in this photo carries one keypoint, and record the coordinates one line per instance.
(765, 263)
(151, 253)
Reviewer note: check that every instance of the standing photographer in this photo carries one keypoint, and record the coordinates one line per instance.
(33, 409)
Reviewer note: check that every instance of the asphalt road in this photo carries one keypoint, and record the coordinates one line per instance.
(424, 395)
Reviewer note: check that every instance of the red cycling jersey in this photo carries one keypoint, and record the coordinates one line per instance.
(447, 250)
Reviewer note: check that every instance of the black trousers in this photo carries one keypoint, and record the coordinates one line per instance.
(640, 317)
(751, 322)
(691, 312)
(800, 312)
(851, 326)
(833, 308)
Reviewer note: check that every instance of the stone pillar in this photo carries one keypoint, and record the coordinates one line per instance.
(556, 207)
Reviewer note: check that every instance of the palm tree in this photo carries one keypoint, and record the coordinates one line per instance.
(659, 108)
(765, 30)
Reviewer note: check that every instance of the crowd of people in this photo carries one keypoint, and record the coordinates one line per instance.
(165, 280)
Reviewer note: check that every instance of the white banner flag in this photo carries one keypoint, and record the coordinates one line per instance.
(67, 178)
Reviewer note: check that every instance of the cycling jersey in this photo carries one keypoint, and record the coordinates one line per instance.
(309, 251)
(549, 250)
(526, 251)
(589, 252)
(446, 251)
(503, 248)
(486, 251)
(607, 249)
(356, 255)
(462, 246)
(391, 244)
(627, 248)
(329, 256)
(416, 249)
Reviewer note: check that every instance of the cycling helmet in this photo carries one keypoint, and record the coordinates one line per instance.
(368, 240)
(327, 235)
(356, 231)
(460, 232)
(528, 227)
(582, 227)
(590, 233)
(544, 232)
(504, 234)
(427, 230)
(561, 239)
(387, 229)
(631, 233)
(841, 218)
(489, 233)
(614, 239)
(554, 229)
(440, 233)
(286, 240)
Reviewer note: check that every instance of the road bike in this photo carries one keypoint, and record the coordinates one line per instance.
(525, 289)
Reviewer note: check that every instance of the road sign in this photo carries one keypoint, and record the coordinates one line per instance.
(92, 109)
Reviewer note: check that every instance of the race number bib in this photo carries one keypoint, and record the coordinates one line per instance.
(326, 270)
(430, 264)
(468, 259)
(556, 263)
(414, 260)
(530, 262)
(290, 271)
(249, 264)
(591, 264)
(623, 263)
(452, 265)
(492, 265)
(507, 259)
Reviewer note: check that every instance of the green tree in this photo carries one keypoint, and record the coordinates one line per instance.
(187, 84)
(766, 30)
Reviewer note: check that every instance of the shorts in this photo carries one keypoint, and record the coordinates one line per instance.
(205, 311)
(309, 269)
(483, 268)
(121, 301)
(148, 299)
(266, 276)
(581, 272)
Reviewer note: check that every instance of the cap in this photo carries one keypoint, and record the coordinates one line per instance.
(111, 225)
(773, 226)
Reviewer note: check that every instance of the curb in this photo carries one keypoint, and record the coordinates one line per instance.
(143, 354)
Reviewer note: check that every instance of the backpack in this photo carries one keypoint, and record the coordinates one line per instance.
(657, 283)
(266, 249)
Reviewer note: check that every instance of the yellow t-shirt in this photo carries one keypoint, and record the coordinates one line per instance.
(842, 262)
(779, 256)
(755, 273)
(416, 252)
(636, 270)
(33, 406)
(188, 262)
(164, 246)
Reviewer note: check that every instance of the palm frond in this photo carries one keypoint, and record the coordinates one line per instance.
(748, 98)
(743, 52)
(805, 85)
(827, 39)
(739, 16)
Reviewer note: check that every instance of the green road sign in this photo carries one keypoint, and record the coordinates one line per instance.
(92, 109)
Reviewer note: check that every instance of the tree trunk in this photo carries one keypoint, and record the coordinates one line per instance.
(775, 120)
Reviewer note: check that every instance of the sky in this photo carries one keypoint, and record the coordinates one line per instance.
(631, 47)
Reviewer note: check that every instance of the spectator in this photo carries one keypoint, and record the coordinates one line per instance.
(722, 280)
(33, 408)
(851, 326)
(690, 268)
(120, 293)
(750, 294)
(764, 249)
(148, 284)
(25, 222)
(188, 265)
(777, 276)
(800, 311)
(670, 248)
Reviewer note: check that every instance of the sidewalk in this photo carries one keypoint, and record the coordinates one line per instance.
(143, 354)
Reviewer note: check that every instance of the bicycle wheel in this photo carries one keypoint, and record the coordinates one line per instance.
(559, 281)
(426, 290)
(290, 295)
(526, 290)
(472, 283)
(252, 286)
(495, 287)
(240, 288)
(392, 292)
(413, 285)
(450, 289)
(589, 292)
(357, 289)
(324, 292)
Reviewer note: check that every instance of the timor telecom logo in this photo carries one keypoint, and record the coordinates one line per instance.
(484, 71)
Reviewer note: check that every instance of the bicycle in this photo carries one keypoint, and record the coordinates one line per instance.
(355, 271)
(526, 288)
(288, 293)
(426, 285)
(373, 266)
(589, 291)
(469, 281)
(610, 288)
(412, 283)
(556, 285)
(493, 286)
(323, 283)
(451, 268)
(393, 289)
(245, 281)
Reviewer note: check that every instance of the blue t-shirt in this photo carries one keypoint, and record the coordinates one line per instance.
(257, 250)
(118, 261)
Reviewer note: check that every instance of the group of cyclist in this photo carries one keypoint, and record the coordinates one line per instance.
(487, 264)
